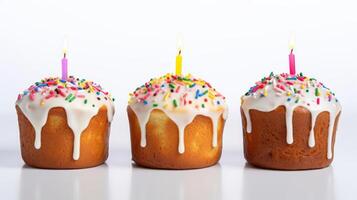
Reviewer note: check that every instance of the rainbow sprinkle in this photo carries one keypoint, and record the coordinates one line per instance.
(70, 90)
(293, 87)
(172, 91)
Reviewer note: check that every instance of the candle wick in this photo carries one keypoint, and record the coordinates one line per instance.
(179, 52)
(291, 51)
(64, 55)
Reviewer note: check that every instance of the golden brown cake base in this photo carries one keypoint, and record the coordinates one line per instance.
(56, 150)
(266, 146)
(161, 149)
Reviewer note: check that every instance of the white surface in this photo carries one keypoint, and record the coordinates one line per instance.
(231, 179)
(231, 44)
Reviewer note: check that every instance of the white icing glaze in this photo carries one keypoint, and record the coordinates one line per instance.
(78, 113)
(299, 93)
(183, 113)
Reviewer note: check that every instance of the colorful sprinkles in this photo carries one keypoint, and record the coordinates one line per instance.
(70, 89)
(171, 91)
(293, 87)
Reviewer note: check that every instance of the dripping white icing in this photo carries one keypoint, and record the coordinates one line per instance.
(312, 135)
(184, 112)
(301, 93)
(78, 113)
(180, 119)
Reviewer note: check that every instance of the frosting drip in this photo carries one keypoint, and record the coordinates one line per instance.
(181, 98)
(80, 99)
(292, 91)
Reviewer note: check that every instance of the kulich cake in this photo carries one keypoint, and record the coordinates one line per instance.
(176, 122)
(289, 122)
(64, 123)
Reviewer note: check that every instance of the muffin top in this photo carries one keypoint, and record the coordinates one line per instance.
(291, 91)
(73, 90)
(178, 93)
(80, 98)
(181, 98)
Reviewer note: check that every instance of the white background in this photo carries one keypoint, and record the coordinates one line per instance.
(231, 44)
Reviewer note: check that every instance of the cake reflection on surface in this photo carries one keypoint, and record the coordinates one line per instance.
(85, 184)
(273, 184)
(171, 184)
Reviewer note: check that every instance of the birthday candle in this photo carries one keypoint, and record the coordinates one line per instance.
(179, 56)
(64, 63)
(292, 57)
(179, 63)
